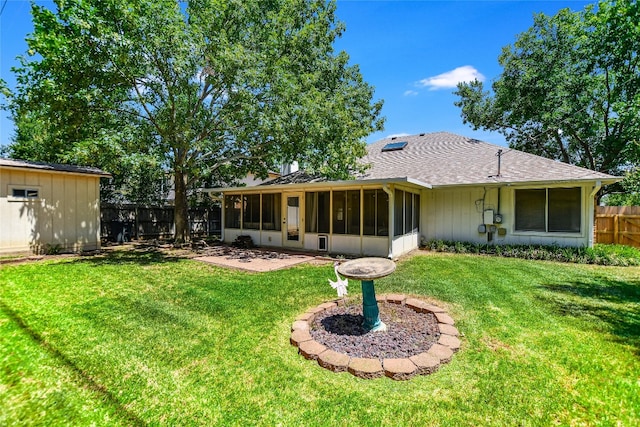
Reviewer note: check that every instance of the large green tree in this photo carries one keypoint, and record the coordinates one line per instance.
(569, 90)
(212, 89)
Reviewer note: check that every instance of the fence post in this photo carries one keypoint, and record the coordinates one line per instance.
(615, 230)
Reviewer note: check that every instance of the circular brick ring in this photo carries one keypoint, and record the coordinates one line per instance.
(397, 369)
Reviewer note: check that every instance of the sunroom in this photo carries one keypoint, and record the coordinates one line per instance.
(345, 217)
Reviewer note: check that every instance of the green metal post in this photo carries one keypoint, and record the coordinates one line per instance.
(370, 308)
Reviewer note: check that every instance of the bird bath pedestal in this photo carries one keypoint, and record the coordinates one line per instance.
(366, 270)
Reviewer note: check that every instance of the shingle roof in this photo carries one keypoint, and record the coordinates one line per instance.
(10, 163)
(297, 177)
(443, 159)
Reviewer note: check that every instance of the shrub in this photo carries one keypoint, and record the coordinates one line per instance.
(615, 255)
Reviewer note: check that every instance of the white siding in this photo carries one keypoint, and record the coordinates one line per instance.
(271, 238)
(405, 243)
(375, 246)
(455, 213)
(345, 244)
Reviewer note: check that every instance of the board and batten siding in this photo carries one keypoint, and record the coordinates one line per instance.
(65, 215)
(454, 214)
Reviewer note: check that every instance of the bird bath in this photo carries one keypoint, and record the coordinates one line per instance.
(366, 270)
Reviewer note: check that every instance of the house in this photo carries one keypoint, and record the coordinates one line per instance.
(49, 207)
(419, 188)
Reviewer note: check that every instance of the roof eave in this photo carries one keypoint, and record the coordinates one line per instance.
(99, 173)
(603, 181)
(400, 180)
(303, 186)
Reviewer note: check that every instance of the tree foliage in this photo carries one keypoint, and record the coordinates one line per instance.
(630, 194)
(208, 90)
(569, 90)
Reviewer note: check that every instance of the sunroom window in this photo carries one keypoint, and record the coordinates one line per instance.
(232, 210)
(251, 212)
(318, 211)
(376, 213)
(406, 213)
(346, 212)
(271, 212)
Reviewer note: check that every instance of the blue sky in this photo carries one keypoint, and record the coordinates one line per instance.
(412, 52)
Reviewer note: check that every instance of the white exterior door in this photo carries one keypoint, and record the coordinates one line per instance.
(293, 220)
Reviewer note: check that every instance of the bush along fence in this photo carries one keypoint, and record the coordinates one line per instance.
(619, 225)
(618, 255)
(121, 223)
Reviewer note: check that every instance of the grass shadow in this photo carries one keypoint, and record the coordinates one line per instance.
(135, 256)
(86, 379)
(614, 303)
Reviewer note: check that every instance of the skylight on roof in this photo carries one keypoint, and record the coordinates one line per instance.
(394, 146)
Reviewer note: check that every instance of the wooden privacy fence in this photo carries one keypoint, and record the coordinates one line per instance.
(124, 222)
(618, 225)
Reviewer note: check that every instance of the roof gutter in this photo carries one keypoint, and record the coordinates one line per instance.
(602, 181)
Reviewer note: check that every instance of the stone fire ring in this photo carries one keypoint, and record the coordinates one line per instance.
(396, 369)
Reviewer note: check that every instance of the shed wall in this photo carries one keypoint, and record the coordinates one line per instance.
(65, 215)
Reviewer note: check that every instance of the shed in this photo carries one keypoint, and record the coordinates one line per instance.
(49, 207)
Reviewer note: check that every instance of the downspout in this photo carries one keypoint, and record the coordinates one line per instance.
(386, 189)
(592, 206)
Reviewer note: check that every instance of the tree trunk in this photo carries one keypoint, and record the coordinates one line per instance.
(181, 209)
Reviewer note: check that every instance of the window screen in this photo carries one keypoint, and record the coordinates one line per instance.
(375, 213)
(530, 210)
(271, 205)
(317, 212)
(353, 212)
(251, 212)
(398, 213)
(382, 213)
(549, 210)
(339, 212)
(564, 209)
(232, 211)
(408, 213)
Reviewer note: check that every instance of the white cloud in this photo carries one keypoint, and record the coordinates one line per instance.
(410, 93)
(450, 79)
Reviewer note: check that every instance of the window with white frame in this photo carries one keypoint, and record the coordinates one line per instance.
(406, 212)
(251, 211)
(317, 211)
(271, 204)
(552, 210)
(346, 212)
(375, 213)
(232, 211)
(21, 193)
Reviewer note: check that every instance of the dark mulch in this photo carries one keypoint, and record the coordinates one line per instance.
(408, 332)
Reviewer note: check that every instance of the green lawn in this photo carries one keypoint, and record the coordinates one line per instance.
(142, 339)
